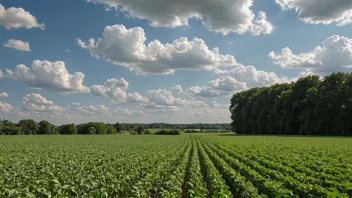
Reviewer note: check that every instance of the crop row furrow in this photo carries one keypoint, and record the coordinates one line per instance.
(265, 186)
(301, 171)
(194, 185)
(148, 185)
(288, 182)
(239, 185)
(216, 185)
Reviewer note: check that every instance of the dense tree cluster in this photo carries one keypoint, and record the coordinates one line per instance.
(31, 127)
(226, 127)
(168, 132)
(309, 106)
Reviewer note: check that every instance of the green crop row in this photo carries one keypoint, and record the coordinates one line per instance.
(183, 166)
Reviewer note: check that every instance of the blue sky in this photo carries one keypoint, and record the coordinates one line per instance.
(122, 78)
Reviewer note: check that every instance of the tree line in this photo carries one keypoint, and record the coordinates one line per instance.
(31, 127)
(309, 106)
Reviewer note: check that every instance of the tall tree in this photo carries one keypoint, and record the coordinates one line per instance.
(46, 127)
(29, 127)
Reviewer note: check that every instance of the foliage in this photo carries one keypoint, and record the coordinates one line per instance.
(310, 106)
(139, 130)
(168, 132)
(29, 127)
(68, 129)
(46, 127)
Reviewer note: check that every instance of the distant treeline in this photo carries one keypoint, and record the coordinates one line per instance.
(310, 106)
(31, 127)
(226, 127)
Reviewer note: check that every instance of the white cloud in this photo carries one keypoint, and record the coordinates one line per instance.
(52, 76)
(217, 16)
(335, 54)
(37, 103)
(1, 73)
(112, 88)
(18, 18)
(205, 92)
(127, 48)
(222, 86)
(189, 103)
(102, 109)
(261, 25)
(136, 97)
(67, 50)
(4, 95)
(227, 84)
(251, 76)
(318, 12)
(19, 45)
(234, 79)
(177, 89)
(5, 107)
(161, 97)
(217, 105)
(154, 108)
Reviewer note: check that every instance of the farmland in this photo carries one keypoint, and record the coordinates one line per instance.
(204, 165)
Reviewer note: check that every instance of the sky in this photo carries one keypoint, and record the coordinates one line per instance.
(74, 61)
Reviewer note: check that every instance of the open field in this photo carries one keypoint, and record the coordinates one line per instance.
(204, 165)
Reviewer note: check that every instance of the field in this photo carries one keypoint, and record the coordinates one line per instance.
(175, 166)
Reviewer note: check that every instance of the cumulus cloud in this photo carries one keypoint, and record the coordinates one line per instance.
(205, 92)
(112, 88)
(190, 103)
(234, 79)
(19, 45)
(4, 95)
(5, 107)
(14, 18)
(154, 108)
(318, 12)
(227, 84)
(222, 86)
(36, 102)
(334, 54)
(127, 48)
(177, 89)
(217, 105)
(51, 76)
(217, 16)
(102, 109)
(1, 73)
(251, 76)
(136, 97)
(161, 97)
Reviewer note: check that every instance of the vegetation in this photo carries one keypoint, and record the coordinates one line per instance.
(310, 106)
(31, 127)
(168, 132)
(175, 166)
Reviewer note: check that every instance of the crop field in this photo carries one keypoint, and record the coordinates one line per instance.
(175, 166)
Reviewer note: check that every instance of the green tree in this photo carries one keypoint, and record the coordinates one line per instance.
(139, 130)
(111, 129)
(118, 127)
(92, 130)
(68, 129)
(46, 127)
(29, 127)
